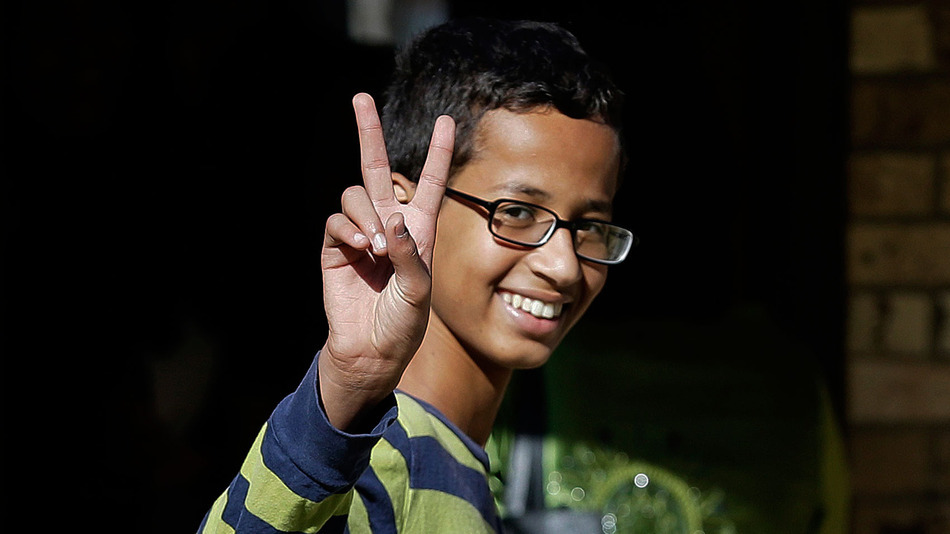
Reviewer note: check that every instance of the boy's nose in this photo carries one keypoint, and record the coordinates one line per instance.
(556, 260)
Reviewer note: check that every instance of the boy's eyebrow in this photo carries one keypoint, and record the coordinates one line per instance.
(600, 206)
(539, 196)
(523, 189)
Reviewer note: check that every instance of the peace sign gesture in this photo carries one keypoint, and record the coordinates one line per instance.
(376, 261)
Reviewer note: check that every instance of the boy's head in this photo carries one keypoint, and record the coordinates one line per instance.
(537, 148)
(469, 67)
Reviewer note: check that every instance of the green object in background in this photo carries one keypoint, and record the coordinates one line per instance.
(630, 496)
(719, 429)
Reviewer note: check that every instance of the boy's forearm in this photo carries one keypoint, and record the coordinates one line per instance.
(301, 470)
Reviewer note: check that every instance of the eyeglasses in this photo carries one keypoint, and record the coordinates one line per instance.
(531, 225)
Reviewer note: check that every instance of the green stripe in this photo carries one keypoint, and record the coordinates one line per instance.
(415, 413)
(273, 502)
(359, 517)
(435, 511)
(393, 472)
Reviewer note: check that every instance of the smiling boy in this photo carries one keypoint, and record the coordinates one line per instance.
(466, 255)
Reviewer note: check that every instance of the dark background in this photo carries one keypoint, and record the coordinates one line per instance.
(167, 169)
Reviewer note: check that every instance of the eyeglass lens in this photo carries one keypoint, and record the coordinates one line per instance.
(531, 225)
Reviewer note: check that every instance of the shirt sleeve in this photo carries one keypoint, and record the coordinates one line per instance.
(300, 471)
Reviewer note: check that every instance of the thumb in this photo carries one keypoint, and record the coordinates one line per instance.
(412, 277)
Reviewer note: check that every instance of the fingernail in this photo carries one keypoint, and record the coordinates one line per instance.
(401, 231)
(360, 238)
(379, 242)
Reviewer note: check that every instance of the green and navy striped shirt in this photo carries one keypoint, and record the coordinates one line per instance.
(415, 472)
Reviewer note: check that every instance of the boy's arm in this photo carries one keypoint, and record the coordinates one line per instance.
(376, 276)
(300, 471)
(376, 263)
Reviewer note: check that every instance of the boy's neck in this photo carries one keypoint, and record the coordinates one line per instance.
(467, 391)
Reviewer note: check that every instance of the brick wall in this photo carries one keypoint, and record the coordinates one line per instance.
(898, 263)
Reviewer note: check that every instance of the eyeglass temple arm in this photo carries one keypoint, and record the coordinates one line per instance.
(475, 200)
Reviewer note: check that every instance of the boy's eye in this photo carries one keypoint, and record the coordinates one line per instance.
(515, 214)
(592, 230)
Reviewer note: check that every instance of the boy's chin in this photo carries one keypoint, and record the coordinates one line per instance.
(508, 352)
(524, 360)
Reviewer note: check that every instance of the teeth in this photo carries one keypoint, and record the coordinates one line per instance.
(538, 308)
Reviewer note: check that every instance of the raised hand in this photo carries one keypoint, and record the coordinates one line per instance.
(376, 261)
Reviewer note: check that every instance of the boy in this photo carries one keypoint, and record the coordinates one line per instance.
(386, 431)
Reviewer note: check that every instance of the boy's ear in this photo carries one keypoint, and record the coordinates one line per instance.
(403, 187)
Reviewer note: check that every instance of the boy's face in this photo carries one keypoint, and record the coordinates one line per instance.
(567, 165)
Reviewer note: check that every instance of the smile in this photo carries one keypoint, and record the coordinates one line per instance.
(537, 308)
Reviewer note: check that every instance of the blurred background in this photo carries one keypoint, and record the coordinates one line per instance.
(775, 354)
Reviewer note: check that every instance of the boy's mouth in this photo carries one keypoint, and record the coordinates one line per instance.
(537, 308)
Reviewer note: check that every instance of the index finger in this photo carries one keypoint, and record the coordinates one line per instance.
(435, 172)
(374, 160)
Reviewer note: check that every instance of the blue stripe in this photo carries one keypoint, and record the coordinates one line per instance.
(299, 426)
(397, 437)
(379, 507)
(442, 472)
(336, 523)
(280, 464)
(234, 508)
(477, 451)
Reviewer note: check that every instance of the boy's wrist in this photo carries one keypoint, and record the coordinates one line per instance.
(349, 406)
(299, 424)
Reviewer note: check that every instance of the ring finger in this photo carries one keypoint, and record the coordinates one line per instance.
(358, 207)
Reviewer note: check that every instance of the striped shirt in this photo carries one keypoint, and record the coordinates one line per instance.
(415, 472)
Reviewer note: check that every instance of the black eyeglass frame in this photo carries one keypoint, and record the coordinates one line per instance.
(492, 205)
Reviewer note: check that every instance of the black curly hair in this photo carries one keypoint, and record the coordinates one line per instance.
(465, 68)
